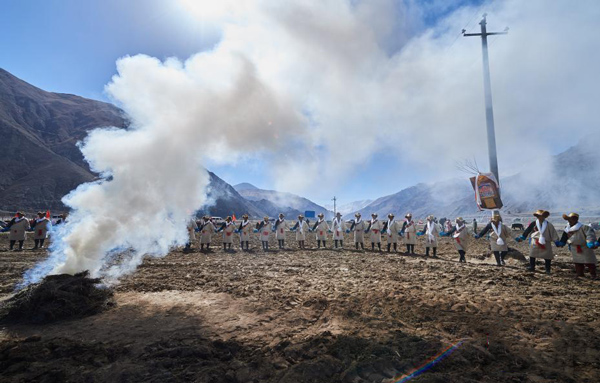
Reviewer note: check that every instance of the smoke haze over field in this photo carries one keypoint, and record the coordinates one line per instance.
(316, 89)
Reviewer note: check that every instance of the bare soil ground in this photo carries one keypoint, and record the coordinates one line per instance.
(318, 316)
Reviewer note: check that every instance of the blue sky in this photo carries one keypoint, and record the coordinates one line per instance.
(71, 46)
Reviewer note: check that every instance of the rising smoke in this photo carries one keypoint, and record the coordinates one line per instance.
(318, 88)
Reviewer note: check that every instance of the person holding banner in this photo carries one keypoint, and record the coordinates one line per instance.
(431, 230)
(338, 228)
(582, 242)
(409, 231)
(244, 232)
(41, 226)
(391, 229)
(301, 228)
(280, 229)
(358, 227)
(543, 234)
(460, 238)
(375, 227)
(499, 234)
(321, 228)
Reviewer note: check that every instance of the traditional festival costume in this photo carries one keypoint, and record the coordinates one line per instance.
(358, 227)
(582, 242)
(263, 229)
(206, 228)
(391, 229)
(499, 234)
(321, 228)
(375, 227)
(17, 226)
(431, 232)
(228, 228)
(41, 226)
(301, 228)
(460, 238)
(338, 227)
(543, 234)
(280, 228)
(192, 226)
(244, 230)
(409, 231)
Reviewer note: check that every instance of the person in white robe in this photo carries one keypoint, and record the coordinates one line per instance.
(264, 231)
(227, 228)
(499, 234)
(244, 230)
(542, 234)
(41, 227)
(321, 228)
(280, 228)
(338, 227)
(374, 228)
(192, 227)
(358, 227)
(300, 228)
(207, 229)
(431, 231)
(391, 230)
(409, 232)
(17, 228)
(582, 242)
(460, 238)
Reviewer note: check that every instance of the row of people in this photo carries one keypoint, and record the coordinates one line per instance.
(19, 225)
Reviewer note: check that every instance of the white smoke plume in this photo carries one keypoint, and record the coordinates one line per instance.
(316, 89)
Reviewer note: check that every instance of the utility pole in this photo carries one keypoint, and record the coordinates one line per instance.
(487, 89)
(334, 207)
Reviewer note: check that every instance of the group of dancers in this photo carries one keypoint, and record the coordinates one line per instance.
(580, 239)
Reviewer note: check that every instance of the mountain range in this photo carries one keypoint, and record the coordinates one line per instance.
(41, 163)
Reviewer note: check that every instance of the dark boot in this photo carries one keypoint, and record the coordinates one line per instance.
(548, 265)
(12, 244)
(37, 244)
(531, 264)
(379, 245)
(318, 244)
(434, 252)
(362, 246)
(395, 247)
(389, 247)
(407, 249)
(324, 244)
(335, 243)
(498, 259)
(224, 246)
(579, 269)
(247, 245)
(592, 269)
(229, 246)
(502, 255)
(372, 246)
(21, 245)
(341, 244)
(412, 249)
(42, 243)
(201, 247)
(356, 244)
(266, 246)
(462, 258)
(427, 251)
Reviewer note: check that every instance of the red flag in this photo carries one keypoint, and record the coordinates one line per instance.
(234, 218)
(48, 214)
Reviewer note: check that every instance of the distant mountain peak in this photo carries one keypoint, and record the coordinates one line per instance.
(245, 186)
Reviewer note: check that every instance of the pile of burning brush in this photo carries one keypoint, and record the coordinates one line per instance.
(57, 297)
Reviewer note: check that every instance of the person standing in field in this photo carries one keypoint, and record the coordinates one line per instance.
(280, 228)
(192, 227)
(431, 232)
(244, 231)
(499, 234)
(460, 238)
(41, 226)
(543, 234)
(207, 228)
(391, 229)
(409, 231)
(228, 227)
(263, 228)
(582, 242)
(338, 227)
(358, 227)
(17, 227)
(301, 227)
(374, 228)
(321, 228)
(475, 225)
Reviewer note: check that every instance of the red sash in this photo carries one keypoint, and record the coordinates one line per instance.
(375, 231)
(281, 231)
(337, 233)
(320, 233)
(457, 240)
(227, 234)
(265, 233)
(407, 235)
(537, 243)
(40, 232)
(579, 250)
